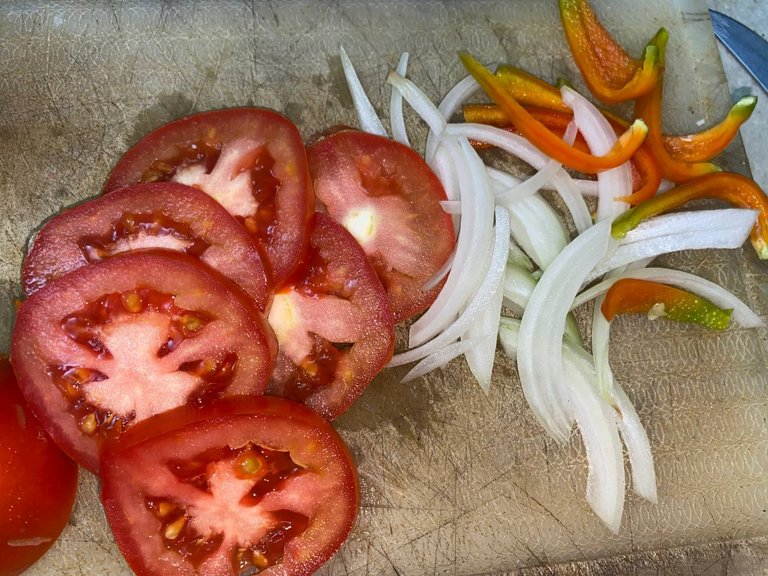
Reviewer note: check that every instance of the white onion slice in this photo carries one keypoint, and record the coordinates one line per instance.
(451, 206)
(479, 301)
(396, 118)
(696, 230)
(539, 357)
(366, 113)
(600, 137)
(448, 107)
(535, 224)
(419, 101)
(440, 358)
(638, 446)
(601, 337)
(719, 296)
(520, 147)
(473, 247)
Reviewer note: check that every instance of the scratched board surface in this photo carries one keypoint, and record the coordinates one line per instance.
(453, 481)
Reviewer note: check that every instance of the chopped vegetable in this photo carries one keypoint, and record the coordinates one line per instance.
(611, 74)
(633, 296)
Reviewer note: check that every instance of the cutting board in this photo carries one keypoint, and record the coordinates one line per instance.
(453, 481)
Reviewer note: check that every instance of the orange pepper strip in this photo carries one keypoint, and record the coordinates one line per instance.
(705, 145)
(633, 296)
(646, 176)
(548, 142)
(648, 108)
(733, 188)
(530, 90)
(610, 73)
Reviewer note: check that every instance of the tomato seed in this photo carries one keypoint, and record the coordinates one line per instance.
(173, 529)
(165, 508)
(89, 424)
(132, 302)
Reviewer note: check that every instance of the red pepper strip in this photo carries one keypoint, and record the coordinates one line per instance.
(646, 176)
(632, 296)
(648, 108)
(733, 188)
(705, 145)
(546, 141)
(530, 90)
(610, 73)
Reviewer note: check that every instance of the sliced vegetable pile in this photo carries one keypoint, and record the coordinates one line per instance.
(188, 334)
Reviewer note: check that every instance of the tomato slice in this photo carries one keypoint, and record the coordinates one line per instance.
(250, 160)
(253, 485)
(333, 324)
(115, 342)
(389, 199)
(162, 215)
(37, 482)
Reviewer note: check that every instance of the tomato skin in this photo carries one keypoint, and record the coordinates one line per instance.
(270, 131)
(130, 466)
(389, 199)
(336, 297)
(37, 481)
(179, 215)
(155, 380)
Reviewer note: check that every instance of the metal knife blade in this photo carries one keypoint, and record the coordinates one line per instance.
(748, 46)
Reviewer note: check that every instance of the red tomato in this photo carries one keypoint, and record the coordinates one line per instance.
(118, 341)
(389, 199)
(162, 215)
(333, 324)
(250, 160)
(37, 482)
(253, 485)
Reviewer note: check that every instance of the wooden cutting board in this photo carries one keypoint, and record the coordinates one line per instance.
(453, 481)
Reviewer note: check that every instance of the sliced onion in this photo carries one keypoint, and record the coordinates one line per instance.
(702, 229)
(715, 293)
(535, 224)
(601, 336)
(479, 301)
(521, 148)
(419, 101)
(473, 247)
(539, 358)
(440, 358)
(366, 113)
(638, 446)
(600, 137)
(396, 119)
(451, 206)
(448, 107)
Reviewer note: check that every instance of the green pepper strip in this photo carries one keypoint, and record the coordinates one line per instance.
(546, 141)
(633, 296)
(610, 73)
(733, 188)
(705, 145)
(648, 107)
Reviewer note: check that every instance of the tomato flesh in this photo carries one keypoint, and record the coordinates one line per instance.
(37, 482)
(113, 343)
(253, 485)
(252, 161)
(387, 197)
(333, 323)
(146, 216)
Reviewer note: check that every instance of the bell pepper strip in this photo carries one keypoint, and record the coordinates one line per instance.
(733, 188)
(646, 175)
(633, 296)
(648, 107)
(545, 140)
(610, 73)
(705, 145)
(530, 90)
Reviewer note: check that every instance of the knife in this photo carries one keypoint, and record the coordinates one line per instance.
(748, 46)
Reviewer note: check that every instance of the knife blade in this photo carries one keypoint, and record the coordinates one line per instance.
(745, 44)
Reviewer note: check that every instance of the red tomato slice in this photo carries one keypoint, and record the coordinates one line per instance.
(389, 199)
(37, 482)
(250, 160)
(333, 324)
(115, 342)
(163, 215)
(243, 486)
